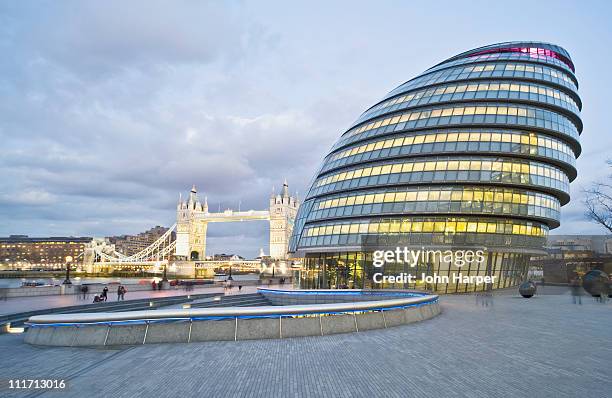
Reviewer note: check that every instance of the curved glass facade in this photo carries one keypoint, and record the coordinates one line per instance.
(438, 199)
(458, 140)
(484, 113)
(473, 91)
(475, 153)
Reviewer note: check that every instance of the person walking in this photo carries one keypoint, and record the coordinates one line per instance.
(105, 293)
(85, 290)
(121, 293)
(603, 293)
(576, 291)
(600, 291)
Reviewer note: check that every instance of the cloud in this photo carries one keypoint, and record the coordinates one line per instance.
(96, 39)
(32, 197)
(108, 112)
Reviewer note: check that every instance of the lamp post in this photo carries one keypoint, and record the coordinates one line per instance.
(165, 277)
(67, 280)
(230, 275)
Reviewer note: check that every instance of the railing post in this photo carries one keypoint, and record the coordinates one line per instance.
(107, 332)
(146, 331)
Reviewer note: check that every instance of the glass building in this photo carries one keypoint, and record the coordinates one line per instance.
(475, 153)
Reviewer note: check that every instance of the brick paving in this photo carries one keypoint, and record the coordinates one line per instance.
(539, 347)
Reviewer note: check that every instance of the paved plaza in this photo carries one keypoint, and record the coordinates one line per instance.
(512, 347)
(23, 304)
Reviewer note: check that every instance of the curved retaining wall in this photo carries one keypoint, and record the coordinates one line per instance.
(311, 314)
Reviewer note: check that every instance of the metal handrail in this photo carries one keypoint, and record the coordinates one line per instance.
(230, 312)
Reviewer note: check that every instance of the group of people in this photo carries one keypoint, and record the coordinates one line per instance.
(121, 290)
(485, 298)
(156, 285)
(281, 281)
(227, 287)
(599, 292)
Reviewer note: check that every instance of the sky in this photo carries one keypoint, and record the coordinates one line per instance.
(109, 109)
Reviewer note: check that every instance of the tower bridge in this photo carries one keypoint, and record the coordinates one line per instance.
(193, 216)
(190, 229)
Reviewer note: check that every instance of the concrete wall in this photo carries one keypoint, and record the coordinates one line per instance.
(94, 288)
(228, 329)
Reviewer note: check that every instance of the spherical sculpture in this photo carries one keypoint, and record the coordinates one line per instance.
(527, 289)
(596, 282)
(476, 152)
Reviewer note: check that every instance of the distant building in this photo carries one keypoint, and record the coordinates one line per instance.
(601, 244)
(132, 244)
(569, 256)
(22, 252)
(227, 257)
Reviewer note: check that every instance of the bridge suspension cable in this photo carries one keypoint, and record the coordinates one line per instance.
(160, 250)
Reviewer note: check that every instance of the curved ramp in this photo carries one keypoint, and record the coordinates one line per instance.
(296, 313)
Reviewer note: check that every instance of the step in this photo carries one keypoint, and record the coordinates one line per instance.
(250, 302)
(114, 306)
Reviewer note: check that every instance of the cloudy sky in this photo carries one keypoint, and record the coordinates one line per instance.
(109, 109)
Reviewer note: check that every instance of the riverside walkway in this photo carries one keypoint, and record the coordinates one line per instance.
(22, 304)
(504, 346)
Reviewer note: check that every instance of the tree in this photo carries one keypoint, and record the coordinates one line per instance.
(599, 203)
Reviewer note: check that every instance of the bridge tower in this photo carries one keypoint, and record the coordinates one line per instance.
(192, 218)
(190, 229)
(283, 209)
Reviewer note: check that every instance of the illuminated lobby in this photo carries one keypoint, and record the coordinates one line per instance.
(476, 153)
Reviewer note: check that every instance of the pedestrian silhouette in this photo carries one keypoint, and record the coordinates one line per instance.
(576, 288)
